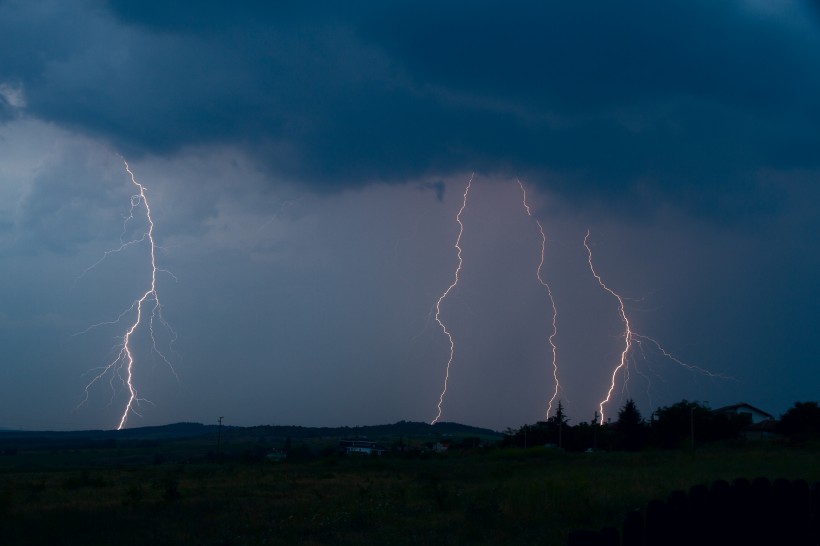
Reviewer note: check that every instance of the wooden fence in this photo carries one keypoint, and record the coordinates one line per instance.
(743, 513)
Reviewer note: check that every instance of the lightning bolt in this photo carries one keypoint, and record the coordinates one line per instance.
(446, 293)
(627, 328)
(551, 299)
(632, 338)
(122, 366)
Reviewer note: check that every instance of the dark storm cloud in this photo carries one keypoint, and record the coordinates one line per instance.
(64, 189)
(438, 187)
(674, 100)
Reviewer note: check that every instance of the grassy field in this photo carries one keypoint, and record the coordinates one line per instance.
(489, 496)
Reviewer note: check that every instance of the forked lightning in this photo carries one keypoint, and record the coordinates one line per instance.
(552, 303)
(444, 296)
(122, 367)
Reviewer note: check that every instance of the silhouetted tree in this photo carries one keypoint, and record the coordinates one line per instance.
(673, 424)
(629, 415)
(535, 435)
(631, 433)
(557, 425)
(801, 422)
(582, 436)
(560, 418)
(466, 443)
(551, 431)
(526, 436)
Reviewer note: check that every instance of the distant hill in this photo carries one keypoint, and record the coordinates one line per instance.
(402, 428)
(80, 439)
(90, 438)
(176, 430)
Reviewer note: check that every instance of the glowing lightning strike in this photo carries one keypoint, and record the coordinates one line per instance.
(123, 364)
(446, 293)
(552, 301)
(631, 337)
(627, 329)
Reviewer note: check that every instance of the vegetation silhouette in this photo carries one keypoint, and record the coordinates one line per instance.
(443, 484)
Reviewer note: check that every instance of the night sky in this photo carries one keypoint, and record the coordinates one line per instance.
(305, 162)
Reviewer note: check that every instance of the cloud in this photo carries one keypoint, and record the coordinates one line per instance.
(641, 103)
(438, 187)
(12, 99)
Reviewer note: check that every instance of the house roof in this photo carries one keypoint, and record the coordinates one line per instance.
(743, 405)
(769, 425)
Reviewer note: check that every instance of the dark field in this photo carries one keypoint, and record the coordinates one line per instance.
(179, 491)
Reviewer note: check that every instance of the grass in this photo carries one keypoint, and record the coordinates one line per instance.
(486, 497)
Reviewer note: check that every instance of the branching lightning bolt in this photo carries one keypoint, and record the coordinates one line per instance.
(122, 366)
(633, 338)
(444, 296)
(551, 299)
(627, 328)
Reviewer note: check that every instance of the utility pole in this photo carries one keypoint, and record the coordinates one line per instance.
(560, 433)
(219, 437)
(692, 425)
(595, 426)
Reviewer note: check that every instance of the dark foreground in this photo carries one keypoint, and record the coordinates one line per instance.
(184, 492)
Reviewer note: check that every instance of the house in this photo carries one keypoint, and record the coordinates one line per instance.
(276, 456)
(756, 415)
(764, 430)
(363, 447)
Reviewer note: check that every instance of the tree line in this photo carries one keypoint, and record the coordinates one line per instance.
(684, 424)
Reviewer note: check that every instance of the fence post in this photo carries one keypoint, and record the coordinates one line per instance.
(741, 510)
(762, 509)
(584, 538)
(657, 524)
(677, 507)
(720, 499)
(610, 537)
(802, 512)
(698, 512)
(815, 513)
(744, 513)
(633, 529)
